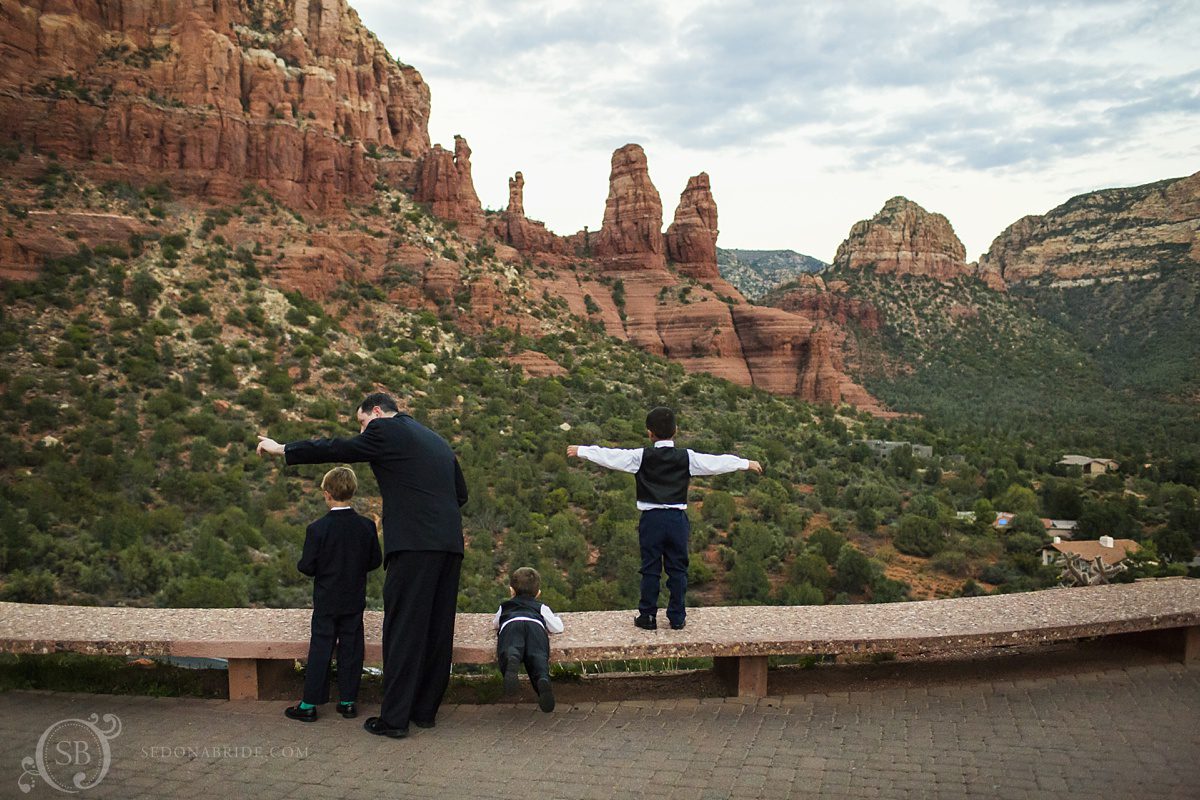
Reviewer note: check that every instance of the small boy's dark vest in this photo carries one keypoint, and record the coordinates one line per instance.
(521, 606)
(664, 476)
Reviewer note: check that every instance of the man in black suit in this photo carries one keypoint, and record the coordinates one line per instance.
(423, 490)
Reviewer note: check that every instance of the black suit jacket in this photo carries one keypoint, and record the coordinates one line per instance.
(339, 550)
(418, 474)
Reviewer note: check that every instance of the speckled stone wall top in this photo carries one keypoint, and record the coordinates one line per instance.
(1050, 615)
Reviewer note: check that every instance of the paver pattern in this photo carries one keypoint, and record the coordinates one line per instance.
(1122, 732)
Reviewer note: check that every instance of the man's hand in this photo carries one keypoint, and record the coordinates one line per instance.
(268, 446)
(573, 451)
(755, 467)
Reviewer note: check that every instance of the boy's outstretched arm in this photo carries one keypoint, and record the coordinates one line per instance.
(610, 457)
(708, 464)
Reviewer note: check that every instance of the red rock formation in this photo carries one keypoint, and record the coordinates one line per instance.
(904, 239)
(808, 295)
(444, 181)
(1111, 232)
(631, 236)
(537, 365)
(46, 237)
(290, 95)
(528, 236)
(692, 238)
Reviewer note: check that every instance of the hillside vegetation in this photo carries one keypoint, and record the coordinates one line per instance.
(1096, 370)
(135, 377)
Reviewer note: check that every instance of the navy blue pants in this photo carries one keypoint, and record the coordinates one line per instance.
(345, 633)
(663, 535)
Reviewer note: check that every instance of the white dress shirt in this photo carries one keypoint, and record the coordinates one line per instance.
(631, 461)
(551, 621)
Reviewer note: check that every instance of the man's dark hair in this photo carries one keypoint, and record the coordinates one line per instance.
(661, 422)
(525, 581)
(381, 399)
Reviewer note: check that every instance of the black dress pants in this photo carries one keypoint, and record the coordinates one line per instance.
(346, 632)
(420, 596)
(530, 643)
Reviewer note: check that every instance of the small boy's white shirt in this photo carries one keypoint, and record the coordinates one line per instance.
(630, 460)
(550, 620)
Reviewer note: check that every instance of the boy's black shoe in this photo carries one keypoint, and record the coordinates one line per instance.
(348, 710)
(678, 626)
(302, 714)
(375, 725)
(424, 723)
(545, 695)
(511, 678)
(646, 622)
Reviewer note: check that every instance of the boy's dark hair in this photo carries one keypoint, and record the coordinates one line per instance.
(381, 399)
(525, 581)
(341, 483)
(661, 422)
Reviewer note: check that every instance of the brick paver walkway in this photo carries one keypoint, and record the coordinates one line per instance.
(1117, 733)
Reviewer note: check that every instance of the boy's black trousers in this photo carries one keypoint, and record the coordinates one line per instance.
(345, 632)
(530, 643)
(663, 535)
(420, 595)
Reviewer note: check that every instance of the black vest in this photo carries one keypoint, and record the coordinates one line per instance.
(521, 606)
(664, 476)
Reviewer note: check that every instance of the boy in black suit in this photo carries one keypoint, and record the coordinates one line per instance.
(663, 473)
(523, 627)
(339, 550)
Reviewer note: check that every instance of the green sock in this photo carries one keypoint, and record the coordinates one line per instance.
(306, 706)
(345, 702)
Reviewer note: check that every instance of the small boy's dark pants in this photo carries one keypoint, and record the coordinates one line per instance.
(346, 632)
(663, 535)
(530, 643)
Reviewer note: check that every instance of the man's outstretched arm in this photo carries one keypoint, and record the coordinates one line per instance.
(364, 447)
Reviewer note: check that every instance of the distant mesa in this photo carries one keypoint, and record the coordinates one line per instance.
(1109, 234)
(904, 239)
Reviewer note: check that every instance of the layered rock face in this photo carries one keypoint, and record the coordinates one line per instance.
(631, 236)
(1102, 234)
(692, 238)
(444, 181)
(809, 295)
(296, 96)
(905, 239)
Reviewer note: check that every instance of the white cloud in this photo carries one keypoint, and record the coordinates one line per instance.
(808, 116)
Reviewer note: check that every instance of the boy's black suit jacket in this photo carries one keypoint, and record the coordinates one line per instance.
(339, 550)
(418, 475)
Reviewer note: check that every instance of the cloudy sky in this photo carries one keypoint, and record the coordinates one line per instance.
(809, 115)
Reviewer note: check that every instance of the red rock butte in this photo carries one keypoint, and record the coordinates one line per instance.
(300, 99)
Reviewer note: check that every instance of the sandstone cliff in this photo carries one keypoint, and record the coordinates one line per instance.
(631, 236)
(692, 238)
(296, 96)
(904, 239)
(527, 236)
(444, 181)
(1102, 234)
